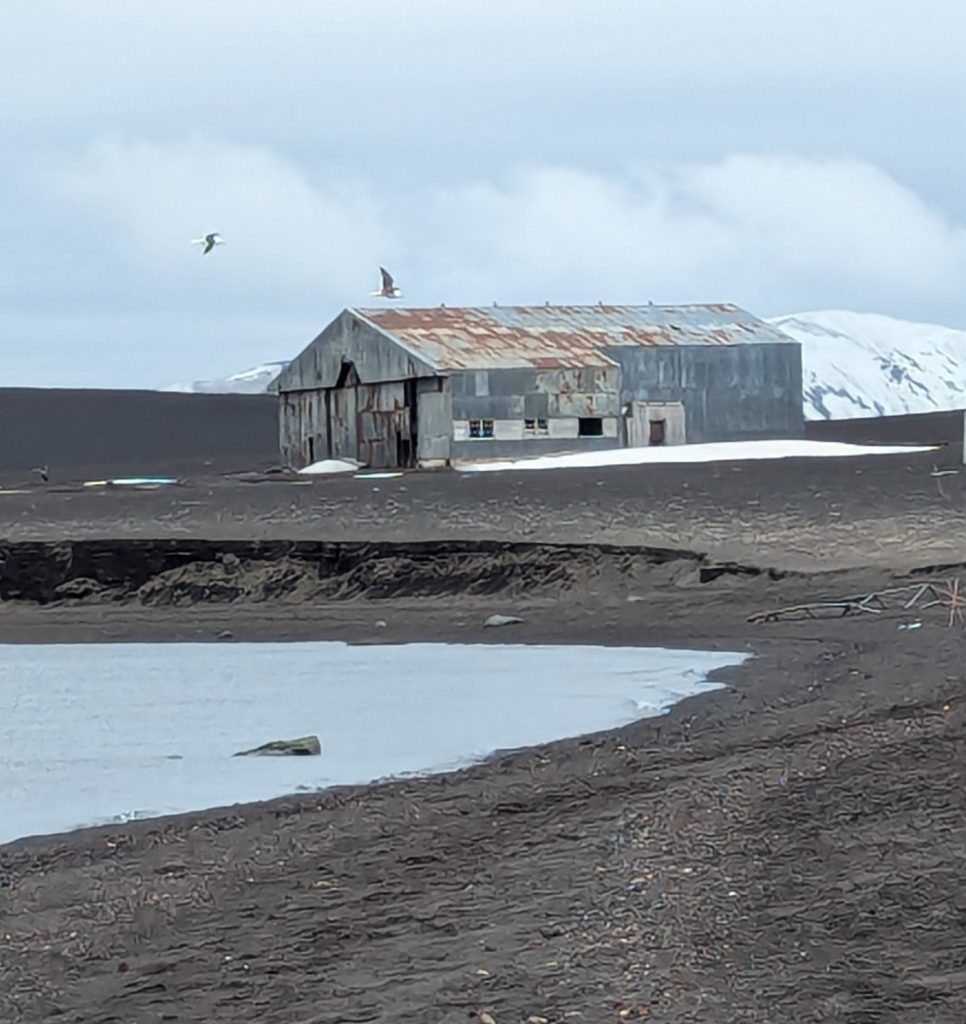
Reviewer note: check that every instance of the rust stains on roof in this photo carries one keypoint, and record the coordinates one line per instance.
(547, 337)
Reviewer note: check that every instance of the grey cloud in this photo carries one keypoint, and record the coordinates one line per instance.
(785, 156)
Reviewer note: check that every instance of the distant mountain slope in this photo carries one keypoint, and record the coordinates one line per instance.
(864, 364)
(249, 382)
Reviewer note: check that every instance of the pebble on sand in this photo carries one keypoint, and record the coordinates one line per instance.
(501, 620)
(304, 746)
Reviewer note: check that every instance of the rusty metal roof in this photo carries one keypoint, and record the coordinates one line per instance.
(472, 338)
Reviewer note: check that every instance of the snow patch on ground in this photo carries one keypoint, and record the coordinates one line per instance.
(717, 452)
(325, 466)
(864, 364)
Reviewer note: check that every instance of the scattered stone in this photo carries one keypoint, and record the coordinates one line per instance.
(380, 623)
(305, 746)
(78, 589)
(225, 634)
(501, 620)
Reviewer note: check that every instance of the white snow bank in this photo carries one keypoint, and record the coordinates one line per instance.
(330, 466)
(716, 452)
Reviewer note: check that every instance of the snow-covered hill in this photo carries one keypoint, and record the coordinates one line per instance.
(249, 382)
(864, 364)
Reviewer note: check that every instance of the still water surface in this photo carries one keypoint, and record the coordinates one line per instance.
(95, 733)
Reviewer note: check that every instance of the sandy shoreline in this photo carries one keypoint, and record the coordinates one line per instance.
(788, 847)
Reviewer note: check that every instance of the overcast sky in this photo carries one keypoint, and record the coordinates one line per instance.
(786, 156)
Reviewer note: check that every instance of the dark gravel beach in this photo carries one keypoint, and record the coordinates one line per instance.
(788, 848)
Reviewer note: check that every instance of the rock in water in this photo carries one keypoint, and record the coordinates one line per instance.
(305, 746)
(501, 620)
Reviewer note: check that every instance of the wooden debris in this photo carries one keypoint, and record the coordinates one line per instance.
(931, 593)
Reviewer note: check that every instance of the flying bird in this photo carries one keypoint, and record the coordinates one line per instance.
(43, 472)
(388, 289)
(209, 242)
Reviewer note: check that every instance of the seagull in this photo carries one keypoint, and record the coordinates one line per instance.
(209, 242)
(43, 472)
(388, 289)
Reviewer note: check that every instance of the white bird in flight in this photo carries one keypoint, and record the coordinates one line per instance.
(388, 289)
(209, 242)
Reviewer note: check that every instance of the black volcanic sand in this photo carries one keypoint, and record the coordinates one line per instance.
(789, 848)
(795, 513)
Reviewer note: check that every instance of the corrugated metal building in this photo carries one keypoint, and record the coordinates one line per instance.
(406, 387)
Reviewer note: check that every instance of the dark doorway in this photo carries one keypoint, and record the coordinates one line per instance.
(348, 375)
(657, 432)
(590, 426)
(404, 451)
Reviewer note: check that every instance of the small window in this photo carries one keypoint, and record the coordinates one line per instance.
(481, 428)
(590, 426)
(535, 427)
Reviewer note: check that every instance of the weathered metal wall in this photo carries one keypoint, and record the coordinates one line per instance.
(373, 423)
(473, 451)
(729, 392)
(347, 339)
(434, 411)
(529, 393)
(350, 394)
(509, 397)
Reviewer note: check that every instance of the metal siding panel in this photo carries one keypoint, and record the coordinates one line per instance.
(536, 406)
(461, 384)
(434, 435)
(577, 404)
(344, 438)
(513, 381)
(496, 407)
(470, 451)
(563, 428)
(508, 430)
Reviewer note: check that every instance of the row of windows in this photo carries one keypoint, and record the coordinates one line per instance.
(587, 426)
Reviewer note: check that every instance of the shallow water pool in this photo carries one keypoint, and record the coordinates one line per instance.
(96, 733)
